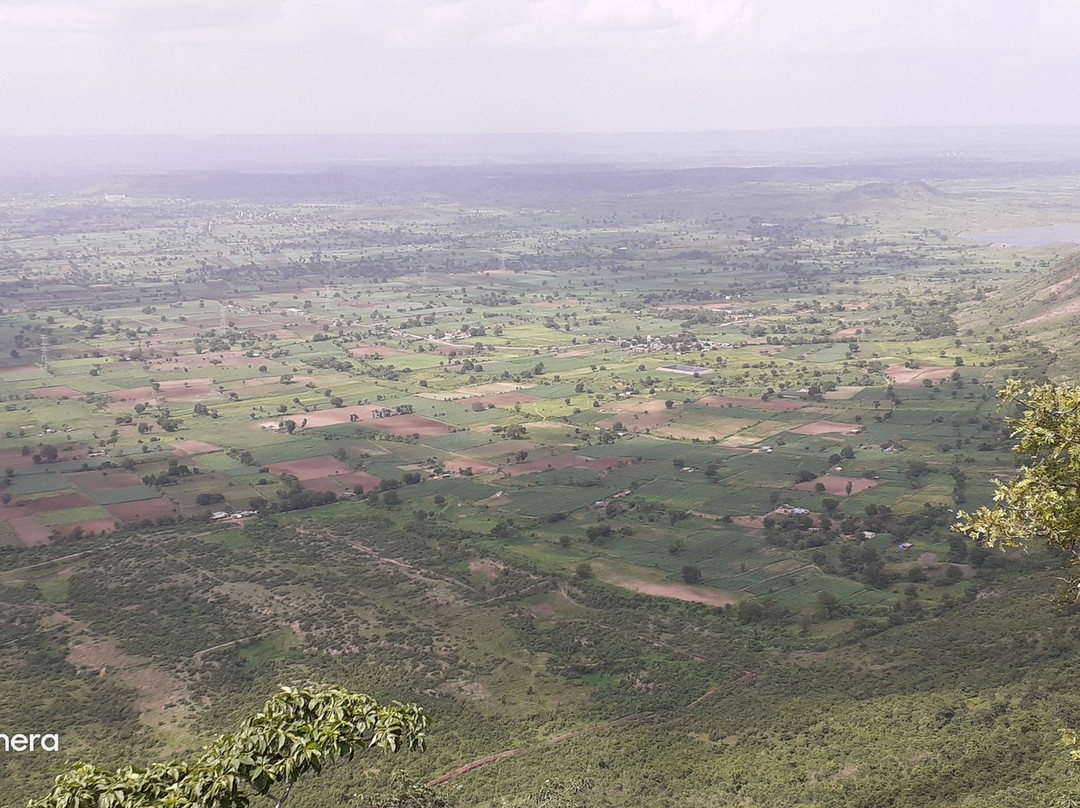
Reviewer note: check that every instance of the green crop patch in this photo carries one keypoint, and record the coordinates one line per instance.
(70, 516)
(39, 483)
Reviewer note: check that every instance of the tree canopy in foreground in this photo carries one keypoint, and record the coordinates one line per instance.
(296, 732)
(1042, 502)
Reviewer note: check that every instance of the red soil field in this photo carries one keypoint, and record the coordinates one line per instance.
(174, 392)
(30, 530)
(837, 486)
(15, 458)
(751, 403)
(410, 425)
(55, 392)
(312, 468)
(44, 505)
(335, 415)
(143, 509)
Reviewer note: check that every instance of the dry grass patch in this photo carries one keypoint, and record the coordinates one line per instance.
(824, 427)
(913, 377)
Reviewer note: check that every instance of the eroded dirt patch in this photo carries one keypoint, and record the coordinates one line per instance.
(913, 377)
(162, 698)
(696, 594)
(488, 568)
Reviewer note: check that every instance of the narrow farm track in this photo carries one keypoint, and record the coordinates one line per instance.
(746, 677)
(419, 573)
(476, 764)
(50, 563)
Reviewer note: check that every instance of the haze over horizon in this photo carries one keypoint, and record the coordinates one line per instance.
(186, 67)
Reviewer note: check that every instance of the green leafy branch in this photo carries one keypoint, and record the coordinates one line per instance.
(297, 732)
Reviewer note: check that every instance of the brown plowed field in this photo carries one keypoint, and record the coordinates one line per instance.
(312, 468)
(394, 424)
(30, 507)
(837, 486)
(142, 509)
(410, 425)
(478, 466)
(15, 458)
(30, 530)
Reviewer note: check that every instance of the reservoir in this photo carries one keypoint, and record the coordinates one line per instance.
(1029, 236)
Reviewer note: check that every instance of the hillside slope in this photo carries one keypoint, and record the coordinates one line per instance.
(1044, 308)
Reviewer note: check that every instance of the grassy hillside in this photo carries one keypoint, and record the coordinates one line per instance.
(1046, 306)
(158, 642)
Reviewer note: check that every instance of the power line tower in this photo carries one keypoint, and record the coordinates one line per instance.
(45, 351)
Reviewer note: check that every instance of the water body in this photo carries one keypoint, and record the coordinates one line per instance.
(1029, 236)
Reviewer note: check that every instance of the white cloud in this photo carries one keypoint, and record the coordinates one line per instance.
(321, 65)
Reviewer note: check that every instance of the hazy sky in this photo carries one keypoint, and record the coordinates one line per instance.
(329, 66)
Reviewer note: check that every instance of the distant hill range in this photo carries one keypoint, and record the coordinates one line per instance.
(488, 182)
(241, 166)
